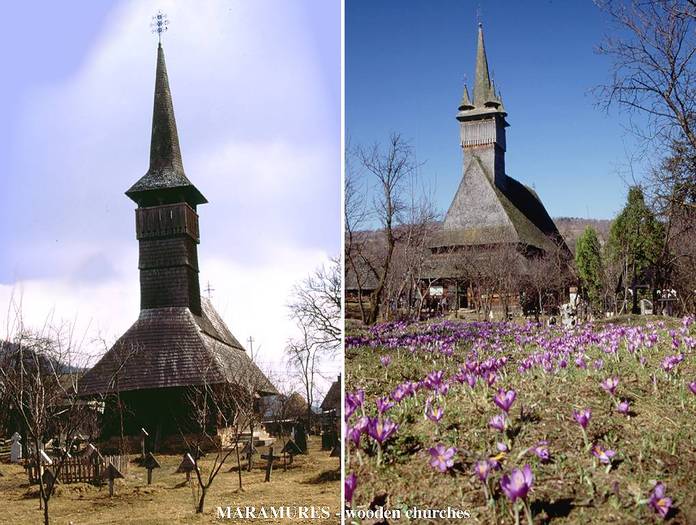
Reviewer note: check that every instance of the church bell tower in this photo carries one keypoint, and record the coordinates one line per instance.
(482, 122)
(166, 218)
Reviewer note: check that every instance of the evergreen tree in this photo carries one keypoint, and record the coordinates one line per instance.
(588, 261)
(635, 240)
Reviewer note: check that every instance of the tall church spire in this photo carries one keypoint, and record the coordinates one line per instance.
(165, 180)
(482, 86)
(165, 154)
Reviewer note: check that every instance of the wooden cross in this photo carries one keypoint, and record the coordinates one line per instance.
(111, 473)
(143, 435)
(291, 448)
(187, 465)
(150, 464)
(269, 467)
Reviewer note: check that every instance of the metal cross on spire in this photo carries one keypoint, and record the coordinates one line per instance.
(209, 290)
(159, 24)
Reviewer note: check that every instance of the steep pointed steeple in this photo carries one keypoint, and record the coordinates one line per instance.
(465, 104)
(165, 180)
(482, 86)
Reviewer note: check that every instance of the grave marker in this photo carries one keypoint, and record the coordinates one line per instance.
(187, 465)
(143, 435)
(269, 466)
(111, 473)
(16, 448)
(150, 464)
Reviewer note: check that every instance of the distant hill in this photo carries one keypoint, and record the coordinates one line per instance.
(572, 227)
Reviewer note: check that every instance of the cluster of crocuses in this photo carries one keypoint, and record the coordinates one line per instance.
(487, 353)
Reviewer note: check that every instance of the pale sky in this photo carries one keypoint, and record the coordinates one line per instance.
(256, 90)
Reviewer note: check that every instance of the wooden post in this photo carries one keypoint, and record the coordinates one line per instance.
(112, 473)
(269, 467)
(150, 464)
(143, 434)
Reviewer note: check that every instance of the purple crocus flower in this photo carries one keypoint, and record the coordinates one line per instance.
(381, 429)
(384, 404)
(504, 400)
(542, 451)
(434, 414)
(609, 385)
(441, 457)
(518, 483)
(482, 469)
(692, 387)
(497, 422)
(353, 434)
(582, 417)
(623, 407)
(604, 455)
(658, 502)
(385, 360)
(354, 401)
(349, 486)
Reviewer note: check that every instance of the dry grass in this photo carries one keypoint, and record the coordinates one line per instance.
(311, 481)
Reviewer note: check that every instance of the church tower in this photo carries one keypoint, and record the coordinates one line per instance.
(482, 122)
(166, 218)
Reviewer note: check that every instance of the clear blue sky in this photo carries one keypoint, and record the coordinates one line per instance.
(406, 62)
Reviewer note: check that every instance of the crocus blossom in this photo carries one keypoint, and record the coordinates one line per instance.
(385, 360)
(504, 400)
(623, 407)
(604, 455)
(441, 457)
(497, 422)
(381, 429)
(582, 417)
(659, 502)
(518, 483)
(482, 469)
(609, 385)
(350, 483)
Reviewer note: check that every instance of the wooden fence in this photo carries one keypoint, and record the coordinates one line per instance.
(80, 469)
(5, 448)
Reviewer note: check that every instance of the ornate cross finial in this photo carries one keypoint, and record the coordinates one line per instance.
(209, 290)
(159, 24)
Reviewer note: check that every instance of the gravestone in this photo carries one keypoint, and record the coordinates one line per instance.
(187, 465)
(150, 464)
(300, 437)
(16, 448)
(328, 439)
(336, 451)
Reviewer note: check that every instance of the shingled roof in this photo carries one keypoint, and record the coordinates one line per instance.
(172, 347)
(166, 170)
(332, 400)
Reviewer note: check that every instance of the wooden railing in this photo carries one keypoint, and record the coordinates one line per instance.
(80, 469)
(169, 219)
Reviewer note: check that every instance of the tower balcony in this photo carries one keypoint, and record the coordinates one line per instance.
(166, 221)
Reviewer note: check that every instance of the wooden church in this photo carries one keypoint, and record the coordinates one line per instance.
(179, 340)
(490, 208)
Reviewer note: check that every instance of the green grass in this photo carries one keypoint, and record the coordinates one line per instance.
(657, 442)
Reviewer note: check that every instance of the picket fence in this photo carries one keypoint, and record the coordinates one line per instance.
(80, 469)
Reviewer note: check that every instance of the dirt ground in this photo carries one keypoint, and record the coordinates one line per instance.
(313, 480)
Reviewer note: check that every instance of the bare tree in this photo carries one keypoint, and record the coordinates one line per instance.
(304, 356)
(389, 169)
(217, 420)
(39, 373)
(316, 302)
